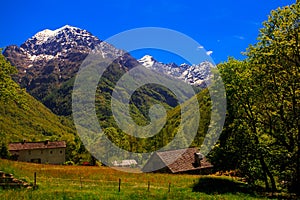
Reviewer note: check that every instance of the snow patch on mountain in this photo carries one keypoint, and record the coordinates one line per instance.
(42, 36)
(147, 61)
(50, 44)
(197, 75)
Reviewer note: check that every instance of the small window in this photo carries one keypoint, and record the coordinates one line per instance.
(41, 151)
(29, 152)
(51, 152)
(60, 152)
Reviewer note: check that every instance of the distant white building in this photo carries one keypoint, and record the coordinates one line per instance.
(125, 163)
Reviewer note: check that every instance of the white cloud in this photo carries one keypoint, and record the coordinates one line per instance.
(239, 37)
(254, 23)
(209, 53)
(200, 47)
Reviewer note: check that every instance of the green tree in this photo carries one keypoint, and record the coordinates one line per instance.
(262, 127)
(4, 153)
(242, 139)
(275, 60)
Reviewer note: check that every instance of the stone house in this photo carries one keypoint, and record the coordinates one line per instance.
(184, 161)
(39, 152)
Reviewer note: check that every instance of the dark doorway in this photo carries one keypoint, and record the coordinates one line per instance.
(35, 160)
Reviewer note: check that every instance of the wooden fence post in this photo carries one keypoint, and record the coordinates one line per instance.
(80, 183)
(169, 187)
(148, 186)
(119, 185)
(34, 183)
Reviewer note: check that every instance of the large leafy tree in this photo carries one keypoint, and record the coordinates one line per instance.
(275, 61)
(261, 135)
(243, 140)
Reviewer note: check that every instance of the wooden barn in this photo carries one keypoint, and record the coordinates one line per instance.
(39, 152)
(189, 161)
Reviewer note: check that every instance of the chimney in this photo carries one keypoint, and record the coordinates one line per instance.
(24, 141)
(46, 142)
(198, 158)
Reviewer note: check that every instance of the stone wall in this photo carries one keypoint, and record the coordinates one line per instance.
(8, 181)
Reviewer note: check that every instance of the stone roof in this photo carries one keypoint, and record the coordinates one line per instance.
(36, 145)
(182, 160)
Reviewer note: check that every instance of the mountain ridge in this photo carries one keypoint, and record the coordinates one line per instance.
(70, 44)
(48, 62)
(50, 58)
(50, 78)
(197, 75)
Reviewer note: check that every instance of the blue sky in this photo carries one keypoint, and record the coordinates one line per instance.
(224, 27)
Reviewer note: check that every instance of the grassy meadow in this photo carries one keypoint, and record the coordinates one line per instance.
(86, 182)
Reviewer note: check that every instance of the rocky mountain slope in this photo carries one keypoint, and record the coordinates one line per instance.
(196, 75)
(47, 64)
(50, 58)
(22, 117)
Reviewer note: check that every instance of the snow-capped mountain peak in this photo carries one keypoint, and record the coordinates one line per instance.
(56, 55)
(60, 40)
(67, 27)
(44, 35)
(197, 75)
(62, 50)
(147, 61)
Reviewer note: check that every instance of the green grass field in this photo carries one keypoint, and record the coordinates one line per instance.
(84, 182)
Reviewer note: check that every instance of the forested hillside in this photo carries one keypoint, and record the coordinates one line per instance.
(24, 118)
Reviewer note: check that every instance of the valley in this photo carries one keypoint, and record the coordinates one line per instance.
(249, 144)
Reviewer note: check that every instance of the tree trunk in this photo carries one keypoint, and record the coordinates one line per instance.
(267, 172)
(273, 183)
(263, 165)
(297, 181)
